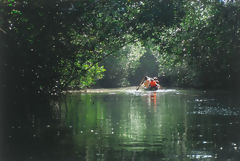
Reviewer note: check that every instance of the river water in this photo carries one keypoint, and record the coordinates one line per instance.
(125, 124)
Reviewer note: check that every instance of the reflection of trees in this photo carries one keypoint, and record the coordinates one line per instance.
(127, 122)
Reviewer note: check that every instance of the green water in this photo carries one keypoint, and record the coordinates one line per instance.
(121, 125)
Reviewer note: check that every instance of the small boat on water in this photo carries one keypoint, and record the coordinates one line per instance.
(151, 84)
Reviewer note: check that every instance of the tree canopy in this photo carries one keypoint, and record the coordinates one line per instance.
(200, 49)
(50, 46)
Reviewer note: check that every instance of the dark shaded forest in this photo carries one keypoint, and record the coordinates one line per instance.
(48, 47)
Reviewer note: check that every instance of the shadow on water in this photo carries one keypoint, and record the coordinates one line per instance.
(24, 119)
(125, 124)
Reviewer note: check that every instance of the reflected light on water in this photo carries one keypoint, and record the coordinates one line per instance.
(125, 124)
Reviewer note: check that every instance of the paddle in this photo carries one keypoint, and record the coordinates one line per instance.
(140, 84)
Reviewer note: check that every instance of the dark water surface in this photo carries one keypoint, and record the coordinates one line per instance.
(122, 125)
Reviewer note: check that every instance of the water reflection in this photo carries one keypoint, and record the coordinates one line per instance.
(138, 125)
(152, 100)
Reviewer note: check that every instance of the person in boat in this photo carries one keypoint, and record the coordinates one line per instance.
(146, 82)
(153, 85)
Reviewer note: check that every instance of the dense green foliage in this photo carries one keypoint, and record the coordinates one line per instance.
(51, 46)
(201, 50)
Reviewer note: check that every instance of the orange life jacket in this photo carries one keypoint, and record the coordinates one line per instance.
(153, 84)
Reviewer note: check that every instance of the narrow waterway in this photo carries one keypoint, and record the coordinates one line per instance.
(125, 124)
